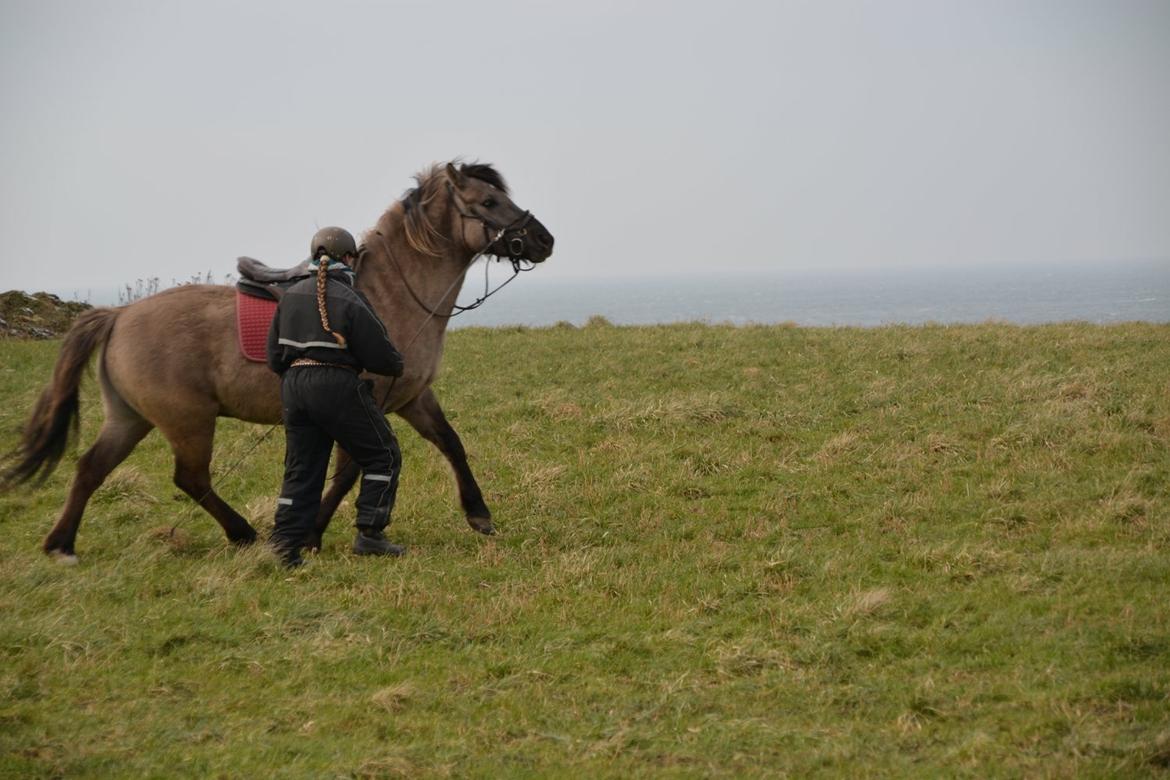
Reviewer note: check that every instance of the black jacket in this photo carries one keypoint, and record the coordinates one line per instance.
(296, 330)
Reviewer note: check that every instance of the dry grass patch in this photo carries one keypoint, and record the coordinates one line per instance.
(394, 698)
(558, 406)
(671, 410)
(634, 476)
(542, 477)
(838, 446)
(128, 485)
(942, 444)
(172, 536)
(1126, 510)
(263, 508)
(1077, 391)
(391, 767)
(732, 659)
(865, 603)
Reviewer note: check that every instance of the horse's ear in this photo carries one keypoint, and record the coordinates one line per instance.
(454, 175)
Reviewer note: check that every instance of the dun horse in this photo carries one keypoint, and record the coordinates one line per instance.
(171, 361)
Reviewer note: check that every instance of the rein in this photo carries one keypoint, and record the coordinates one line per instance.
(515, 246)
(518, 267)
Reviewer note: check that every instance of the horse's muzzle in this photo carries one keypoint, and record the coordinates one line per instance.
(529, 240)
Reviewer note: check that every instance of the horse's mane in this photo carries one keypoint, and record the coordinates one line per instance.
(421, 233)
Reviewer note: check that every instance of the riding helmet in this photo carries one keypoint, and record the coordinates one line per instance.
(335, 242)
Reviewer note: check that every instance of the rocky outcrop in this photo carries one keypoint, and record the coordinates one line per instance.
(36, 316)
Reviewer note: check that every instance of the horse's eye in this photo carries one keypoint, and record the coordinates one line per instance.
(489, 203)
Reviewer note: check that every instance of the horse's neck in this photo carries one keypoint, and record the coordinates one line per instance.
(394, 270)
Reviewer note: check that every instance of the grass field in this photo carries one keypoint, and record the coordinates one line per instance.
(724, 551)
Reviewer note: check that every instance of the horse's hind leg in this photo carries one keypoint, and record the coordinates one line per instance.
(191, 445)
(345, 473)
(426, 416)
(120, 433)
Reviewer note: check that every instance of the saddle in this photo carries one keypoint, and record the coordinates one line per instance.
(257, 293)
(256, 271)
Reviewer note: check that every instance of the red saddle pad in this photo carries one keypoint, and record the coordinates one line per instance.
(253, 316)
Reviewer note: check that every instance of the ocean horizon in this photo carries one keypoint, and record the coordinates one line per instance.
(867, 298)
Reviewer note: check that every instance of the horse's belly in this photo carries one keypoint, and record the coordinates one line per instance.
(251, 394)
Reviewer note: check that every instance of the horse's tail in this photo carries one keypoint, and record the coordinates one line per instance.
(56, 414)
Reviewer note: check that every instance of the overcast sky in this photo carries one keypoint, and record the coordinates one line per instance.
(163, 138)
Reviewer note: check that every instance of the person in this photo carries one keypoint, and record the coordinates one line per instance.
(323, 335)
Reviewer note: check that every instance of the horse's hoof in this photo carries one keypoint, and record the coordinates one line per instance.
(314, 543)
(63, 558)
(482, 525)
(244, 540)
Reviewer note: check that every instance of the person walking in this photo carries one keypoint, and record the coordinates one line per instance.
(324, 334)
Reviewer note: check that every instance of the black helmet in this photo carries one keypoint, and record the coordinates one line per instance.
(333, 241)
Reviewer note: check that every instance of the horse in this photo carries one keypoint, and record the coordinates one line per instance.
(171, 361)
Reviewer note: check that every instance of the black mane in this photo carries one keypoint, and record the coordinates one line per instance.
(485, 173)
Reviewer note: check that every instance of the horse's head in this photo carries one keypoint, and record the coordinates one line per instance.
(488, 222)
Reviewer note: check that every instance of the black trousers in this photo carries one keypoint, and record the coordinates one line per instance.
(323, 405)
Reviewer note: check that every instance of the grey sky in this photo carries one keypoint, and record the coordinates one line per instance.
(164, 138)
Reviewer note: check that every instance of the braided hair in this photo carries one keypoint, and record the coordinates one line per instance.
(322, 270)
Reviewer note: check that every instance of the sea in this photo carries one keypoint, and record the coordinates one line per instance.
(1100, 293)
(1103, 293)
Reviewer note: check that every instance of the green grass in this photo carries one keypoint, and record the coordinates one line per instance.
(903, 551)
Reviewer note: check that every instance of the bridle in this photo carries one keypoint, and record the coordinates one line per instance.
(518, 227)
(515, 247)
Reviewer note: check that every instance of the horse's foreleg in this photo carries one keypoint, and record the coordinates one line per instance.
(426, 416)
(192, 450)
(345, 473)
(116, 440)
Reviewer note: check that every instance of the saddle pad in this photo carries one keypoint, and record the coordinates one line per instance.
(253, 317)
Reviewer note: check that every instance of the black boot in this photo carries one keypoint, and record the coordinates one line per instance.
(289, 555)
(373, 542)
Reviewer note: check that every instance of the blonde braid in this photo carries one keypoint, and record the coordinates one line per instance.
(323, 265)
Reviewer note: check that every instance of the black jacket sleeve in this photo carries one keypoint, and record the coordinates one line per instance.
(277, 360)
(369, 342)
